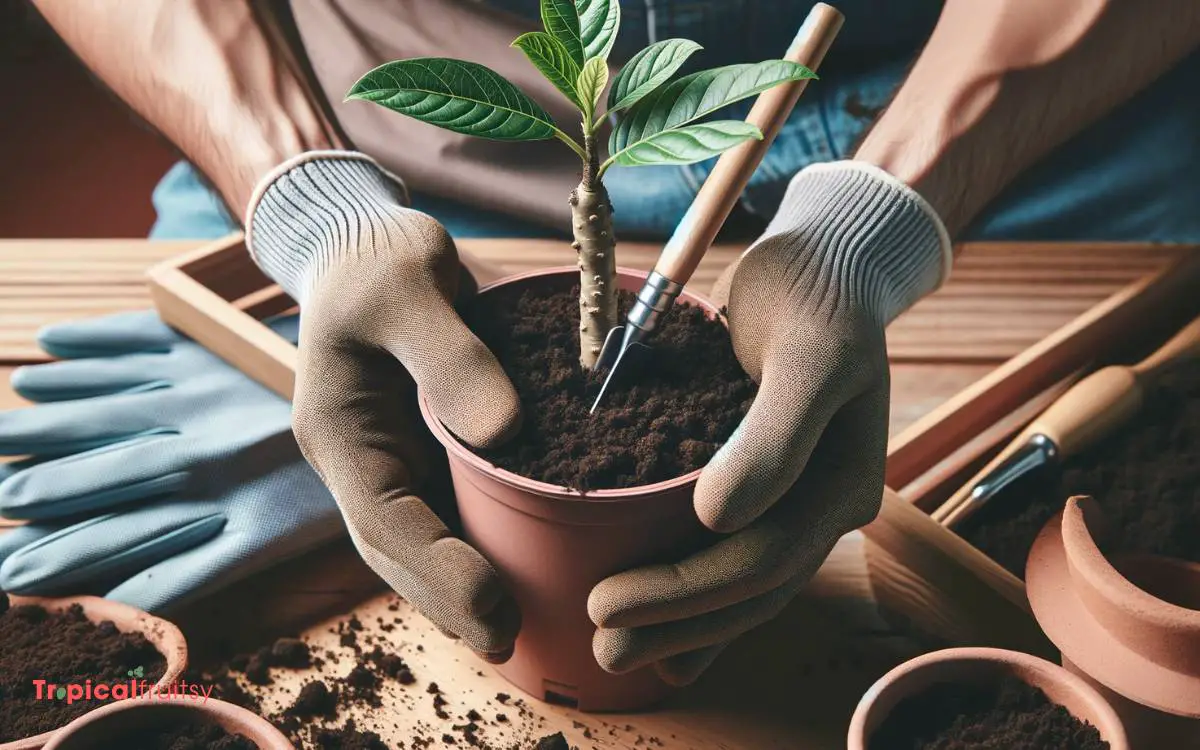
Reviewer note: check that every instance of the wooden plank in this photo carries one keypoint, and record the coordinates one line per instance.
(51, 281)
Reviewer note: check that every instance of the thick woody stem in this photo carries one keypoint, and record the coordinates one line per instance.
(591, 222)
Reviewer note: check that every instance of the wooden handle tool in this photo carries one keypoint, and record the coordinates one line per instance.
(1091, 410)
(717, 196)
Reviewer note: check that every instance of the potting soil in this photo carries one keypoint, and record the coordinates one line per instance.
(665, 421)
(317, 716)
(1010, 716)
(1146, 478)
(63, 648)
(189, 735)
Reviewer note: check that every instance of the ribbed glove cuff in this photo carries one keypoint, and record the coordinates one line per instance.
(307, 208)
(872, 237)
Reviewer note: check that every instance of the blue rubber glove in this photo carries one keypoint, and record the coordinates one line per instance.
(159, 472)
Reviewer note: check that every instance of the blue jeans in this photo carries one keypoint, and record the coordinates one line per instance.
(1133, 176)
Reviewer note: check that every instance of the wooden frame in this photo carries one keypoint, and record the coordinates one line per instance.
(921, 570)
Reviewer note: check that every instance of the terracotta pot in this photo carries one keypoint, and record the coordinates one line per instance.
(552, 545)
(163, 635)
(981, 666)
(114, 724)
(1129, 624)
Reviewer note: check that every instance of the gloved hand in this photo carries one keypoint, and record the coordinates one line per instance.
(159, 472)
(850, 249)
(376, 282)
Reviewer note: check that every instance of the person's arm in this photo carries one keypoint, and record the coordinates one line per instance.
(207, 75)
(1001, 83)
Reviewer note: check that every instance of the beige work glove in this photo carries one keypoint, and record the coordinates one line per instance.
(376, 283)
(850, 249)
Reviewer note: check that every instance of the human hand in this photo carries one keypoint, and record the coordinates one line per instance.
(158, 473)
(849, 250)
(376, 282)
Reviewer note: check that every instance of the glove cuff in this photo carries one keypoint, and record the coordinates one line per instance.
(309, 206)
(871, 235)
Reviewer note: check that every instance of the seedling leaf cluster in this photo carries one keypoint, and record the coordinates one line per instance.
(656, 119)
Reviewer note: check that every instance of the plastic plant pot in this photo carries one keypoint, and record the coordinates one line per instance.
(164, 636)
(552, 545)
(120, 724)
(982, 666)
(1128, 624)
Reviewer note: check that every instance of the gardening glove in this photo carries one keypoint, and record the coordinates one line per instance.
(376, 282)
(850, 249)
(158, 472)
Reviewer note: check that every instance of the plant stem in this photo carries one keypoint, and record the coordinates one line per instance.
(591, 223)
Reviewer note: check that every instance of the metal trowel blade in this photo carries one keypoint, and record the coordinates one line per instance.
(622, 360)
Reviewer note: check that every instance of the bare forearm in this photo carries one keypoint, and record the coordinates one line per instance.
(1003, 82)
(206, 75)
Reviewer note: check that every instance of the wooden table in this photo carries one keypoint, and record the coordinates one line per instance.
(790, 685)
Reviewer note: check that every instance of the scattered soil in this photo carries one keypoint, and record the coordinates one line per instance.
(553, 742)
(1010, 716)
(61, 648)
(190, 735)
(318, 716)
(669, 420)
(1146, 478)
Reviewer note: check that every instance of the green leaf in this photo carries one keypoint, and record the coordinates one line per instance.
(561, 20)
(689, 98)
(689, 144)
(554, 61)
(456, 95)
(599, 21)
(647, 70)
(592, 80)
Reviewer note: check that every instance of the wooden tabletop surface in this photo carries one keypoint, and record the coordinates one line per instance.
(790, 685)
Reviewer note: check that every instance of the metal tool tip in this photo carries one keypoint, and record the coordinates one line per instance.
(603, 388)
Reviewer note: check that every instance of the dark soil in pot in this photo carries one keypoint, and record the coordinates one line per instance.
(185, 735)
(1009, 716)
(62, 648)
(667, 421)
(1146, 478)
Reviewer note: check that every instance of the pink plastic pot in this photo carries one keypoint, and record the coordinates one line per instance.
(552, 545)
(1129, 625)
(120, 724)
(981, 666)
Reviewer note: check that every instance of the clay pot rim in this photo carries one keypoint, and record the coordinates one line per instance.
(169, 642)
(1080, 543)
(545, 489)
(1067, 621)
(257, 729)
(1108, 722)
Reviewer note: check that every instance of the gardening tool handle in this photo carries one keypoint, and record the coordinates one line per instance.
(1182, 346)
(731, 173)
(1092, 409)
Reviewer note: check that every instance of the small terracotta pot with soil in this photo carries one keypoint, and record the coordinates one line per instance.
(1127, 623)
(575, 498)
(70, 641)
(164, 725)
(963, 698)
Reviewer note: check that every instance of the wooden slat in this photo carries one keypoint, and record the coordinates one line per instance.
(51, 281)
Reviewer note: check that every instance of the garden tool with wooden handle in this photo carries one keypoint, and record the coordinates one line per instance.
(1091, 410)
(715, 201)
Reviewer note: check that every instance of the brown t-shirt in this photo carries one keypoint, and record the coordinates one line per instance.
(343, 39)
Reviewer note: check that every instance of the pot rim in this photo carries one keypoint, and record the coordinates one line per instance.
(1108, 723)
(554, 491)
(1065, 617)
(257, 729)
(168, 641)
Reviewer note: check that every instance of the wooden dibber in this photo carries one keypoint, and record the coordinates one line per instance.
(1094, 408)
(717, 197)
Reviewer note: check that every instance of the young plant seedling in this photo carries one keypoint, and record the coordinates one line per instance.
(656, 120)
